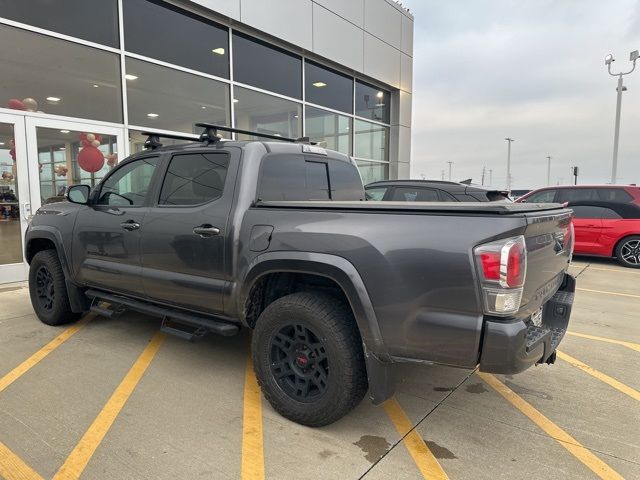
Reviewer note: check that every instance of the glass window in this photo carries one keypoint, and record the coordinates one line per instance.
(328, 129)
(317, 180)
(263, 113)
(41, 73)
(168, 99)
(328, 88)
(408, 194)
(370, 141)
(373, 171)
(128, 186)
(613, 195)
(160, 30)
(609, 214)
(264, 66)
(577, 194)
(376, 194)
(92, 20)
(194, 178)
(137, 140)
(291, 177)
(346, 183)
(10, 232)
(372, 102)
(583, 211)
(545, 196)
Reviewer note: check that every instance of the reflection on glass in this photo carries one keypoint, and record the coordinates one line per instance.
(370, 141)
(10, 234)
(137, 139)
(69, 157)
(328, 129)
(373, 171)
(328, 88)
(264, 66)
(372, 102)
(177, 36)
(41, 73)
(263, 113)
(167, 99)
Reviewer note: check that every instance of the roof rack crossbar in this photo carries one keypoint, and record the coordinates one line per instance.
(210, 127)
(153, 139)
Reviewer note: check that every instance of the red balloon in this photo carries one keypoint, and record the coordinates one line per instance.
(98, 137)
(90, 159)
(85, 143)
(16, 104)
(83, 136)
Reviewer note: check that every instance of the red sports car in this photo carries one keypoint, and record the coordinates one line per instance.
(608, 229)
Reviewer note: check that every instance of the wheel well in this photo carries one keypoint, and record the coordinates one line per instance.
(273, 286)
(37, 245)
(615, 247)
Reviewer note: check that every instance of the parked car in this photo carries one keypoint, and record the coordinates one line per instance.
(431, 191)
(584, 193)
(608, 229)
(516, 194)
(217, 235)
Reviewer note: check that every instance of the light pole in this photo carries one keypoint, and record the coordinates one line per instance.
(608, 60)
(450, 163)
(509, 140)
(548, 170)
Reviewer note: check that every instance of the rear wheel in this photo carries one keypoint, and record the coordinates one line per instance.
(628, 251)
(48, 290)
(308, 358)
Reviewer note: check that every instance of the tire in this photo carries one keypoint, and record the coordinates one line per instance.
(48, 290)
(312, 341)
(628, 251)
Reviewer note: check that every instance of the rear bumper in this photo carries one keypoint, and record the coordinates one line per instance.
(513, 346)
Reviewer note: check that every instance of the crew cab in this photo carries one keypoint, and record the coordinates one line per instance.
(274, 235)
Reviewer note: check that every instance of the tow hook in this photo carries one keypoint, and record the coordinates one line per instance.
(552, 358)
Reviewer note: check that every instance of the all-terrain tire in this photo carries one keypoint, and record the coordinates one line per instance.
(48, 290)
(628, 251)
(337, 379)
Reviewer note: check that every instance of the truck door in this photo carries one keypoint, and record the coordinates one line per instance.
(106, 236)
(186, 231)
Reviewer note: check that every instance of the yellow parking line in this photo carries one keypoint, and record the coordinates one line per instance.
(34, 359)
(619, 270)
(631, 345)
(77, 461)
(13, 468)
(608, 293)
(422, 456)
(600, 468)
(633, 393)
(252, 449)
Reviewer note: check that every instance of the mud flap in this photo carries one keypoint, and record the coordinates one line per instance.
(382, 379)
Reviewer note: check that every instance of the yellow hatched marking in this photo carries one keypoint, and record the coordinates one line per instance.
(596, 465)
(13, 468)
(425, 460)
(77, 461)
(34, 359)
(633, 393)
(631, 345)
(252, 467)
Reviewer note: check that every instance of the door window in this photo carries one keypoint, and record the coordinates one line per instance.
(585, 211)
(407, 194)
(545, 196)
(609, 214)
(577, 195)
(375, 193)
(194, 179)
(129, 184)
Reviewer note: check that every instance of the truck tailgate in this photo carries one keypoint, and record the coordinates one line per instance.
(548, 256)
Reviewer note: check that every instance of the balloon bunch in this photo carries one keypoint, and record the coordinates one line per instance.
(61, 170)
(90, 158)
(7, 176)
(28, 104)
(12, 151)
(112, 159)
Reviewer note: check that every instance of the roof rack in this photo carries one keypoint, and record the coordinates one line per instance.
(153, 139)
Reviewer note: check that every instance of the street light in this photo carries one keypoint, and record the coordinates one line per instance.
(450, 163)
(548, 169)
(608, 60)
(509, 140)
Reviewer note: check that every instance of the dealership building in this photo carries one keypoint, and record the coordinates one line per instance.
(82, 79)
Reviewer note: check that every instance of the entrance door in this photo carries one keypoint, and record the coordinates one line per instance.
(15, 203)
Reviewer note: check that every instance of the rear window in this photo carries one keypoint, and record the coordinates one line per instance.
(375, 194)
(594, 194)
(408, 194)
(584, 211)
(545, 196)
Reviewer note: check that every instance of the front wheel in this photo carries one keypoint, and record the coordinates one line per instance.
(308, 358)
(628, 251)
(48, 290)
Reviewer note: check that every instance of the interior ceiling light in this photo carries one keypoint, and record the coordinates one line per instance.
(95, 85)
(235, 100)
(203, 107)
(379, 94)
(379, 104)
(64, 131)
(128, 76)
(1, 143)
(218, 51)
(319, 84)
(152, 115)
(53, 99)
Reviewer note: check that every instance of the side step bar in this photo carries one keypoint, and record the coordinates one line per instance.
(189, 326)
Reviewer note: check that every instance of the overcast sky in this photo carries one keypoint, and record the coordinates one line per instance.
(531, 70)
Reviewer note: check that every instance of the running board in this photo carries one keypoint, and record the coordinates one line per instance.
(189, 326)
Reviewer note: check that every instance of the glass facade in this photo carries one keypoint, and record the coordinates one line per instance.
(186, 69)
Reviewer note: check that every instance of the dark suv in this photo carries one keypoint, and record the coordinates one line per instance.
(584, 193)
(430, 191)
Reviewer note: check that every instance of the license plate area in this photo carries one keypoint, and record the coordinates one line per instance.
(536, 317)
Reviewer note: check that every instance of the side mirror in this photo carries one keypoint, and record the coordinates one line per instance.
(78, 194)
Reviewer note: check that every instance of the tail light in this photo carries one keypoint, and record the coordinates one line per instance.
(503, 268)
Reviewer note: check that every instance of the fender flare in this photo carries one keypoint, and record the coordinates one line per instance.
(337, 269)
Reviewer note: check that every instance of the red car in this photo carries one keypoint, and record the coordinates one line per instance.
(584, 193)
(608, 229)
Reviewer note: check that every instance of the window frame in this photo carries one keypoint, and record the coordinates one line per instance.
(151, 192)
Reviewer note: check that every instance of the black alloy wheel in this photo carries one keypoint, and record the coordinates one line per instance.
(45, 289)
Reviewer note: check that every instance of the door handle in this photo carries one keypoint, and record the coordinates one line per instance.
(130, 225)
(206, 230)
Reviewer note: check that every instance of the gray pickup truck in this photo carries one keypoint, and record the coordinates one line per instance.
(275, 236)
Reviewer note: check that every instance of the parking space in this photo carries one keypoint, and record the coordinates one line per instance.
(113, 399)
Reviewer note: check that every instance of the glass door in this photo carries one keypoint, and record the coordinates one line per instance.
(64, 153)
(15, 202)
